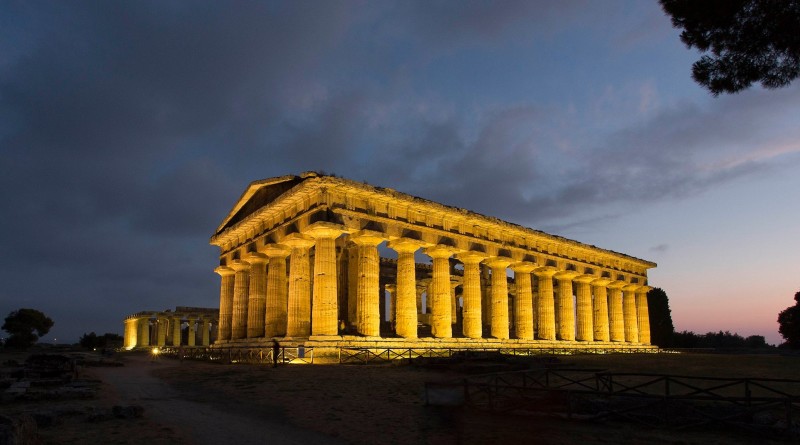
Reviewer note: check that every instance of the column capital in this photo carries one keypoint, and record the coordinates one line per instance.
(276, 251)
(523, 267)
(298, 240)
(367, 238)
(391, 287)
(470, 257)
(498, 261)
(584, 278)
(454, 284)
(616, 285)
(256, 258)
(239, 265)
(631, 288)
(566, 274)
(644, 289)
(600, 282)
(545, 271)
(322, 229)
(405, 245)
(224, 270)
(440, 251)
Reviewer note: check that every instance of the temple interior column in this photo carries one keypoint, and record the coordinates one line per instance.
(192, 340)
(204, 338)
(241, 287)
(600, 309)
(643, 314)
(324, 305)
(471, 293)
(615, 316)
(277, 289)
(453, 302)
(299, 304)
(486, 296)
(545, 309)
(352, 286)
(369, 316)
(523, 303)
(629, 313)
(392, 289)
(583, 300)
(499, 297)
(176, 331)
(144, 332)
(440, 291)
(408, 298)
(225, 302)
(257, 300)
(566, 306)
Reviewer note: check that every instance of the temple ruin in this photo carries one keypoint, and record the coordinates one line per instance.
(321, 261)
(185, 326)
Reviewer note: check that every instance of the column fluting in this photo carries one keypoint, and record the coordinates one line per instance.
(369, 316)
(407, 306)
(256, 303)
(471, 293)
(643, 314)
(545, 310)
(523, 303)
(629, 313)
(583, 301)
(324, 304)
(440, 291)
(499, 327)
(241, 287)
(616, 325)
(298, 316)
(600, 309)
(566, 305)
(277, 300)
(225, 302)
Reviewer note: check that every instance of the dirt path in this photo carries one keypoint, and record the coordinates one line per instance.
(200, 422)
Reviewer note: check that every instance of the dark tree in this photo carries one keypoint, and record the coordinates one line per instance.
(107, 340)
(21, 325)
(748, 41)
(661, 327)
(789, 324)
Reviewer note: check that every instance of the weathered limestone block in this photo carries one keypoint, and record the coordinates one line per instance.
(324, 305)
(440, 291)
(225, 302)
(545, 309)
(257, 300)
(616, 318)
(643, 315)
(600, 306)
(241, 287)
(499, 296)
(583, 300)
(471, 293)
(369, 316)
(523, 303)
(629, 313)
(277, 301)
(299, 305)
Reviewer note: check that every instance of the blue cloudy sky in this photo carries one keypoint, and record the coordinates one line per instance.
(127, 131)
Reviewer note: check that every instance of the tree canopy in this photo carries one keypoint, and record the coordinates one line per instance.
(25, 326)
(661, 327)
(748, 41)
(789, 324)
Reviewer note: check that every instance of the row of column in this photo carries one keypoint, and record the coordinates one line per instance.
(256, 301)
(138, 332)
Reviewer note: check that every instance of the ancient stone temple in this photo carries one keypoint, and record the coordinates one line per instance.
(187, 326)
(319, 260)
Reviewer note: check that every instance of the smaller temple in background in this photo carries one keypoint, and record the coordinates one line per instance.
(187, 326)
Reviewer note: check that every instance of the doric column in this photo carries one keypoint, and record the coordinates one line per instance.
(130, 333)
(440, 291)
(324, 304)
(176, 331)
(144, 332)
(453, 302)
(486, 296)
(616, 325)
(392, 289)
(352, 286)
(204, 338)
(583, 300)
(471, 293)
(257, 300)
(241, 287)
(192, 333)
(161, 331)
(369, 315)
(225, 302)
(643, 314)
(407, 296)
(566, 306)
(499, 296)
(523, 302)
(629, 313)
(545, 310)
(600, 309)
(299, 306)
(277, 288)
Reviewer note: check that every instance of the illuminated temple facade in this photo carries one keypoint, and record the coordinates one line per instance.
(321, 260)
(185, 326)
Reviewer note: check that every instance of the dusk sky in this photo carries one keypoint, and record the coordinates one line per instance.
(129, 129)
